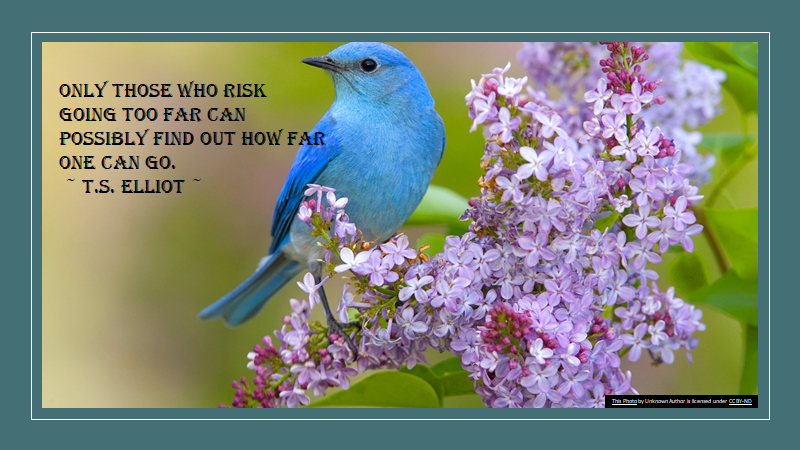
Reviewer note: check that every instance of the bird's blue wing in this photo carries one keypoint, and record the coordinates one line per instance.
(444, 139)
(311, 160)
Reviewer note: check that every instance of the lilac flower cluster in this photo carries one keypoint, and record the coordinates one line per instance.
(562, 72)
(576, 231)
(309, 360)
(550, 286)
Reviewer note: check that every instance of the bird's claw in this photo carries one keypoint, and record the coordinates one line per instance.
(334, 326)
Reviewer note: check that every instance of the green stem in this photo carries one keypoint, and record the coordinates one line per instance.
(716, 248)
(629, 120)
(279, 382)
(715, 194)
(330, 242)
(384, 291)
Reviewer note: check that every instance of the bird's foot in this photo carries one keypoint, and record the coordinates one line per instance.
(334, 326)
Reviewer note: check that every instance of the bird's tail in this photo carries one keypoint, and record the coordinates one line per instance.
(248, 298)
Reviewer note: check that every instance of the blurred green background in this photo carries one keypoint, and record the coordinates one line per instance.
(124, 276)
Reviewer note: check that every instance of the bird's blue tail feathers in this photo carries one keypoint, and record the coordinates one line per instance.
(248, 298)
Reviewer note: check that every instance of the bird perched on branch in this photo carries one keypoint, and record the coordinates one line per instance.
(382, 142)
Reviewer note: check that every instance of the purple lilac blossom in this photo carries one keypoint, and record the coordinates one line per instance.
(567, 77)
(538, 304)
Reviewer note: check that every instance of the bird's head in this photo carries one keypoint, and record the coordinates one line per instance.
(372, 71)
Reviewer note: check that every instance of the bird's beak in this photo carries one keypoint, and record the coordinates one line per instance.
(323, 62)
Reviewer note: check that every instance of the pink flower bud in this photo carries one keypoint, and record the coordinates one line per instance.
(599, 319)
(661, 100)
(490, 86)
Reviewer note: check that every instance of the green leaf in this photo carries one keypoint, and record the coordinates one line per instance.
(440, 206)
(749, 381)
(743, 85)
(448, 367)
(737, 232)
(385, 389)
(426, 374)
(688, 273)
(712, 53)
(606, 222)
(732, 295)
(436, 242)
(729, 146)
(717, 142)
(741, 82)
(746, 53)
(455, 379)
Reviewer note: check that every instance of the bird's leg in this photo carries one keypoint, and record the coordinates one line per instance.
(334, 326)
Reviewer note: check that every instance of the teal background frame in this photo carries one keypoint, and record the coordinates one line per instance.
(23, 221)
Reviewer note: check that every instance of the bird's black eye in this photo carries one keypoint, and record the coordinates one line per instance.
(369, 65)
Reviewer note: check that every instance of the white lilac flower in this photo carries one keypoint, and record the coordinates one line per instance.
(537, 163)
(350, 260)
(310, 287)
(615, 127)
(599, 96)
(636, 98)
(408, 321)
(505, 125)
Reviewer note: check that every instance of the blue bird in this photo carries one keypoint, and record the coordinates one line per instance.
(383, 140)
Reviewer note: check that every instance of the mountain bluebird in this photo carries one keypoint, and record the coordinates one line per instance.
(382, 142)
